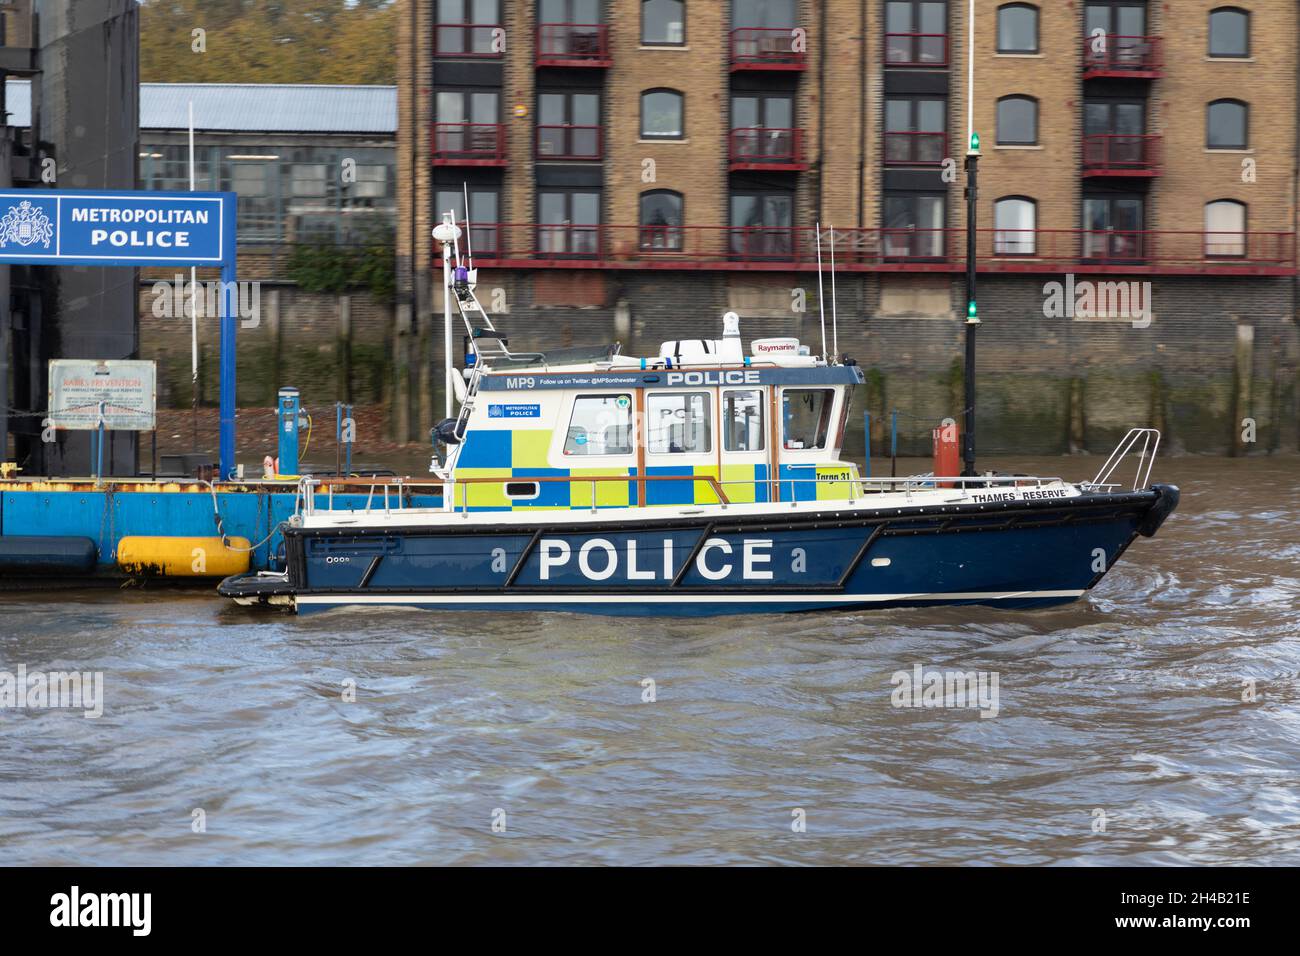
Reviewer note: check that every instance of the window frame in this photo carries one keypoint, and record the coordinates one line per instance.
(997, 118)
(915, 17)
(1038, 29)
(1033, 229)
(563, 438)
(662, 43)
(483, 232)
(1243, 234)
(670, 230)
(681, 116)
(1112, 16)
(1245, 123)
(568, 225)
(569, 15)
(1209, 34)
(825, 423)
(780, 237)
(654, 394)
(1114, 237)
(569, 138)
(762, 421)
(928, 243)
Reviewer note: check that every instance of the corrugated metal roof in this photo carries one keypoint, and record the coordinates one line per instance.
(248, 107)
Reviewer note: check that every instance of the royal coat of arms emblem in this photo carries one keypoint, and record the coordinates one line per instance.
(26, 225)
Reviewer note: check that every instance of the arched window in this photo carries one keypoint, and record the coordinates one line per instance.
(661, 114)
(1225, 125)
(1014, 220)
(661, 221)
(1018, 121)
(1229, 32)
(1018, 28)
(1225, 228)
(663, 23)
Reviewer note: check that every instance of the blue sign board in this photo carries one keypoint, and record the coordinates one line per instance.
(110, 227)
(514, 411)
(115, 228)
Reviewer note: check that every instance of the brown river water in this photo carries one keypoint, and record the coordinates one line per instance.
(1121, 735)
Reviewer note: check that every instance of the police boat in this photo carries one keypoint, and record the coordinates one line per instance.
(708, 479)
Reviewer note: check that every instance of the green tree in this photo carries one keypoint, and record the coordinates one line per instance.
(268, 41)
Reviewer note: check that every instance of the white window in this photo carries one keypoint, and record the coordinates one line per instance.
(601, 425)
(1013, 222)
(1225, 228)
(679, 423)
(807, 415)
(743, 420)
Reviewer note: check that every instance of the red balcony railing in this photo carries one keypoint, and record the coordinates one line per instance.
(794, 248)
(573, 44)
(766, 148)
(916, 49)
(768, 48)
(469, 144)
(915, 149)
(565, 142)
(478, 40)
(1111, 55)
(1121, 154)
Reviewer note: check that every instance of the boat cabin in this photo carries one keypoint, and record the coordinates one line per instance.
(701, 424)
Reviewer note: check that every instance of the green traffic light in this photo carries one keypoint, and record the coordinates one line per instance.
(974, 142)
(970, 310)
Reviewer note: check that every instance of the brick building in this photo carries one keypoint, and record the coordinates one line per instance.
(637, 167)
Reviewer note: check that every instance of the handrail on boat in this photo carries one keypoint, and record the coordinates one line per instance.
(1150, 439)
(859, 487)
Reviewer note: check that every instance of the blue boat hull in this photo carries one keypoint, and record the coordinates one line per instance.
(1010, 554)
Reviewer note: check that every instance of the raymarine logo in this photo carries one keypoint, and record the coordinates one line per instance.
(765, 347)
(103, 909)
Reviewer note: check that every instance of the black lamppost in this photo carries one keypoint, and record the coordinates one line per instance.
(972, 311)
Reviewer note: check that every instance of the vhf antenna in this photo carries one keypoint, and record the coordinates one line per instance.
(821, 298)
(469, 233)
(835, 310)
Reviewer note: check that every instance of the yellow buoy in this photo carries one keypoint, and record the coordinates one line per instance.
(183, 557)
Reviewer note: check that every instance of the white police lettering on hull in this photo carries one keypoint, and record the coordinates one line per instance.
(598, 559)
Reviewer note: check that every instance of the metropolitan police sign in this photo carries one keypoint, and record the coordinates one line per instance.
(108, 228)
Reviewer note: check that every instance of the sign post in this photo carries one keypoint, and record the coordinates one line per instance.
(105, 227)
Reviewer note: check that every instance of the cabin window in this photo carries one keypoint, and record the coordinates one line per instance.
(522, 490)
(678, 423)
(807, 414)
(742, 420)
(601, 425)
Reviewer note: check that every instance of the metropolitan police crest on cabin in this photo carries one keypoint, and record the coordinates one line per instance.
(26, 225)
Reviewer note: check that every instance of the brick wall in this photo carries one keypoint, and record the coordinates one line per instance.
(1046, 384)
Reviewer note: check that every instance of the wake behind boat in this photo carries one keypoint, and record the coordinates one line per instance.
(703, 480)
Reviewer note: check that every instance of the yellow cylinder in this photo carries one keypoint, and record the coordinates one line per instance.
(183, 557)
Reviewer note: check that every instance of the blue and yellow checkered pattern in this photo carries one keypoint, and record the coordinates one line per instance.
(518, 455)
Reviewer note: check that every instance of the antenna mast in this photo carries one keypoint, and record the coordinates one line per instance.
(835, 311)
(821, 299)
(469, 232)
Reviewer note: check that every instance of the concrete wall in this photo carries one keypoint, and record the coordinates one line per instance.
(1046, 385)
